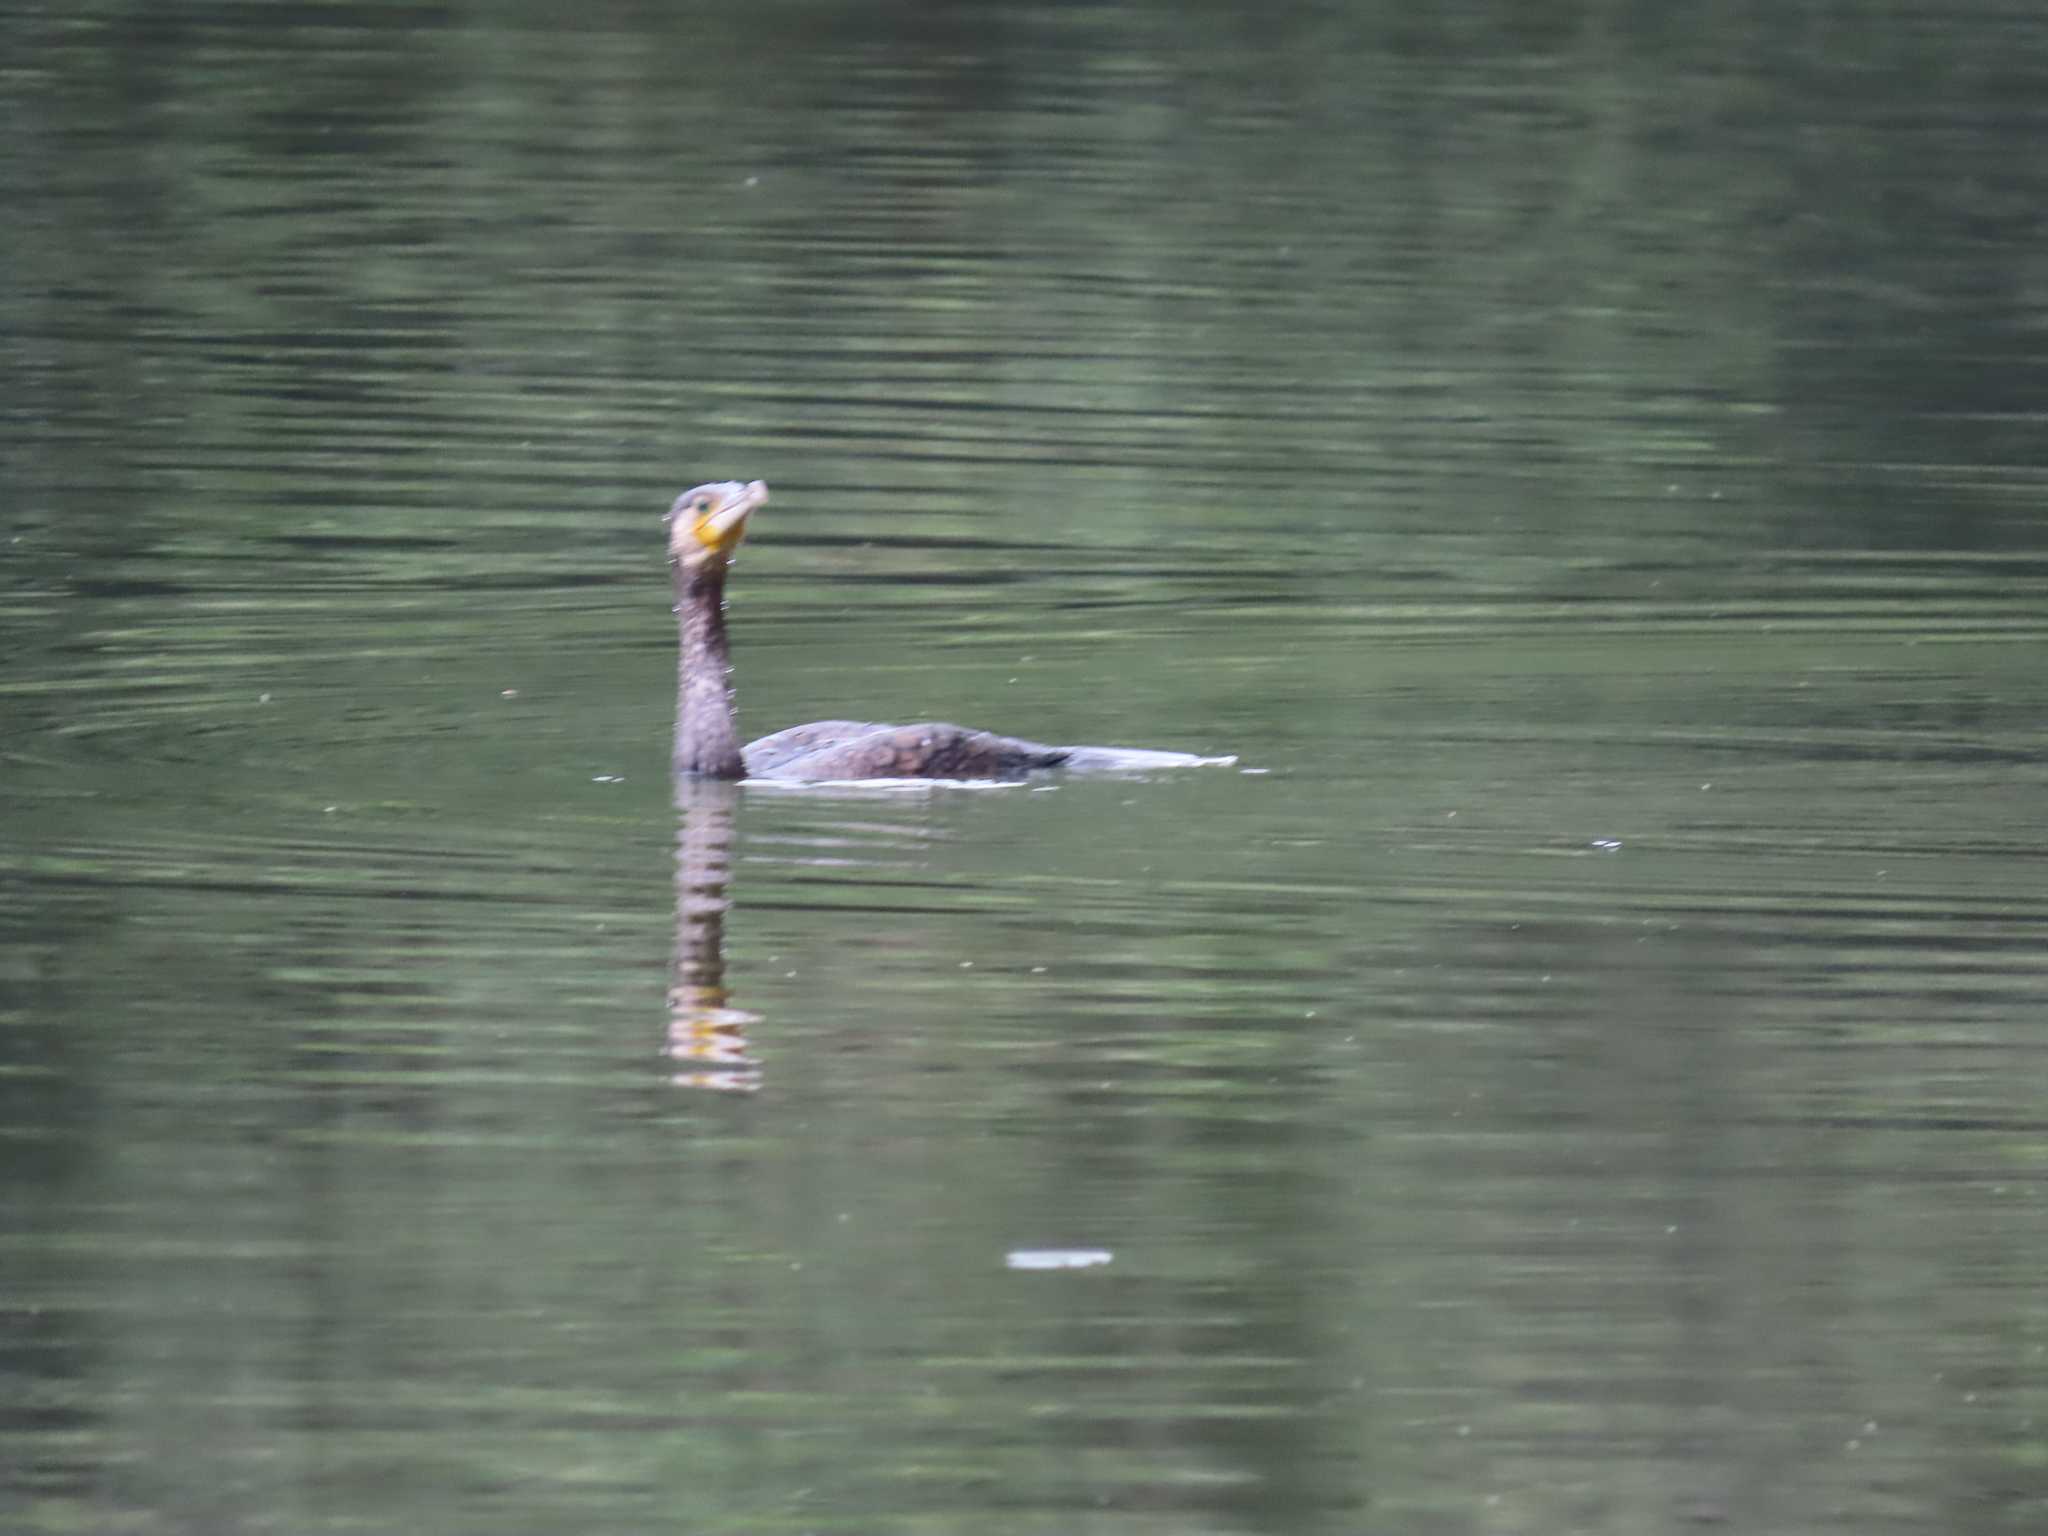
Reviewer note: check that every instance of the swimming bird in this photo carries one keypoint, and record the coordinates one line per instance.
(705, 527)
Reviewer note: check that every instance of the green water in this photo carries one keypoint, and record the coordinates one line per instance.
(1581, 1070)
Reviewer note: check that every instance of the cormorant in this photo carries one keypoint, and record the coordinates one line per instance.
(705, 526)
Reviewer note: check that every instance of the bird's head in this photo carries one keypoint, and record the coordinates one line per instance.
(707, 523)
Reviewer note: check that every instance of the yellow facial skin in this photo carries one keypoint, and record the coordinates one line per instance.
(709, 521)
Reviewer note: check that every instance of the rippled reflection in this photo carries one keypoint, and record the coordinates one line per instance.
(707, 1035)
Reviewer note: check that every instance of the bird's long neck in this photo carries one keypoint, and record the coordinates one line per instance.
(707, 739)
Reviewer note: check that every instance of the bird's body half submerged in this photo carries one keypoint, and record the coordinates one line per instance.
(705, 527)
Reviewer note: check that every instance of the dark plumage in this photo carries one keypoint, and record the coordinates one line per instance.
(705, 527)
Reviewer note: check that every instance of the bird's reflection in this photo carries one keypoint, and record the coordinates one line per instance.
(707, 1036)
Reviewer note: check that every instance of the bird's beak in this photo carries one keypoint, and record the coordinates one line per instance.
(722, 530)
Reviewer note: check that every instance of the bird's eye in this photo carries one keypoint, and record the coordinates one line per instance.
(703, 505)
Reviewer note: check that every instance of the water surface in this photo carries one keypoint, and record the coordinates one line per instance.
(1580, 1071)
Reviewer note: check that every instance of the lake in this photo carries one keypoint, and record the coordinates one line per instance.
(1583, 1068)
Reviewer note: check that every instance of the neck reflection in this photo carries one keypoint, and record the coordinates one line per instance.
(707, 1036)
